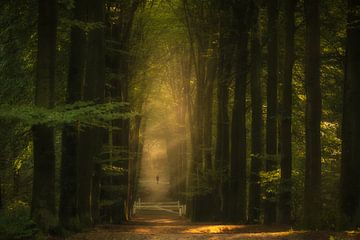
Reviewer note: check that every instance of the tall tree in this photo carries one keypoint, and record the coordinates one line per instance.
(272, 103)
(90, 138)
(238, 183)
(222, 152)
(350, 162)
(286, 114)
(312, 204)
(120, 32)
(198, 17)
(43, 194)
(1, 196)
(257, 138)
(68, 208)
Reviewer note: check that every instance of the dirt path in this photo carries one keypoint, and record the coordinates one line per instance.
(171, 227)
(162, 225)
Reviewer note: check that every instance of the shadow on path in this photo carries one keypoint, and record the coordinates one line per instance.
(171, 227)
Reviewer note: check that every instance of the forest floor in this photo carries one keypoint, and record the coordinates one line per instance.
(162, 225)
(171, 227)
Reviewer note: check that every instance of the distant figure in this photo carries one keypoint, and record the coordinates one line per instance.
(157, 179)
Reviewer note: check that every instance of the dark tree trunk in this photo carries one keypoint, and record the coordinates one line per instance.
(186, 76)
(222, 141)
(211, 67)
(135, 148)
(201, 205)
(200, 34)
(350, 163)
(257, 138)
(43, 195)
(238, 181)
(90, 139)
(119, 65)
(272, 105)
(96, 188)
(85, 172)
(122, 137)
(222, 152)
(68, 209)
(1, 196)
(286, 116)
(312, 204)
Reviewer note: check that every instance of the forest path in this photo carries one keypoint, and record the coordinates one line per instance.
(172, 227)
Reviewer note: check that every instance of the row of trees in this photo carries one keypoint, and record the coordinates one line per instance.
(256, 88)
(228, 46)
(82, 172)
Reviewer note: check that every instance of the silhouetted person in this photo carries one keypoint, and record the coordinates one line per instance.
(157, 179)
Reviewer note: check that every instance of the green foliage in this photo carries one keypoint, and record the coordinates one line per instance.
(15, 223)
(111, 170)
(85, 26)
(83, 112)
(272, 187)
(270, 182)
(17, 51)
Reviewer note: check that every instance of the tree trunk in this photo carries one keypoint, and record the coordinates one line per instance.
(257, 138)
(43, 195)
(135, 156)
(222, 154)
(68, 209)
(186, 78)
(272, 105)
(120, 31)
(238, 130)
(312, 204)
(199, 38)
(211, 68)
(1, 196)
(286, 116)
(350, 163)
(90, 139)
(205, 109)
(96, 188)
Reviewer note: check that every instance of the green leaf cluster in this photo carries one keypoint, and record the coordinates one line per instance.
(15, 223)
(87, 113)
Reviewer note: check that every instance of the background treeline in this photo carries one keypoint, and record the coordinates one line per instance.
(257, 102)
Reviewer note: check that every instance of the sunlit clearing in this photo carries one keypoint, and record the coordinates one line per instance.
(243, 229)
(214, 229)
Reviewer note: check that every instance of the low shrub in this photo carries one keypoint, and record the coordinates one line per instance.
(15, 223)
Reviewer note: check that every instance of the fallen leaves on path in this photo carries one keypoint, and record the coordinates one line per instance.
(171, 228)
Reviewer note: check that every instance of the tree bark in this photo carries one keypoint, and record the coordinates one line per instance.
(1, 196)
(257, 138)
(43, 195)
(200, 33)
(238, 165)
(135, 148)
(90, 139)
(286, 115)
(272, 105)
(119, 64)
(211, 68)
(222, 154)
(312, 204)
(68, 209)
(350, 162)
